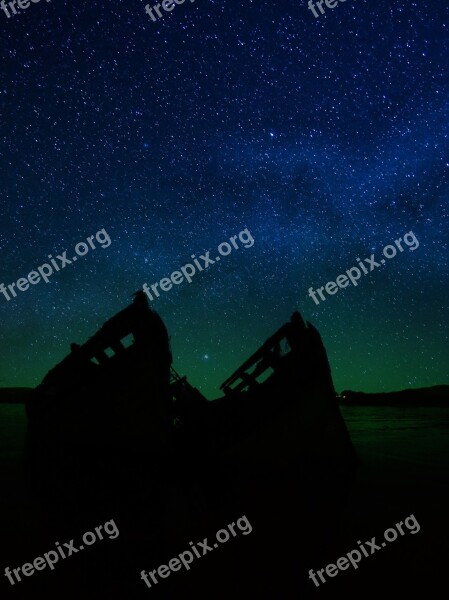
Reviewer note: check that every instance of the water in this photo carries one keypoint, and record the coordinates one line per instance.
(411, 435)
(404, 456)
(407, 436)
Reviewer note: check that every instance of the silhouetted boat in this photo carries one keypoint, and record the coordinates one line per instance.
(113, 428)
(118, 390)
(279, 413)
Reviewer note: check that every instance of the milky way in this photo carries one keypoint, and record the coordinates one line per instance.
(327, 138)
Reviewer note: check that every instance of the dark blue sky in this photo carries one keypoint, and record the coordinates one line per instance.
(327, 138)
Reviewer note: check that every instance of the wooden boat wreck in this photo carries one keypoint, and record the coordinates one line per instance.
(114, 417)
(120, 390)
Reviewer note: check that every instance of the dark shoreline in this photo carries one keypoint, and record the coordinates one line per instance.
(436, 396)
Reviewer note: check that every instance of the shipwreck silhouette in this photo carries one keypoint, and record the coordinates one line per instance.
(126, 367)
(116, 419)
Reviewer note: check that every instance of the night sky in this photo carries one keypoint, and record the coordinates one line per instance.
(327, 138)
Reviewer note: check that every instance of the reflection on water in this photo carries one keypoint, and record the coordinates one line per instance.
(410, 435)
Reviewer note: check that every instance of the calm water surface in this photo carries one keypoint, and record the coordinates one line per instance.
(418, 435)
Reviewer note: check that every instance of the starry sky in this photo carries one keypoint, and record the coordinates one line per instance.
(327, 138)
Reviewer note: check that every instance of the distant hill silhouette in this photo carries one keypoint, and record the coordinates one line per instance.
(437, 396)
